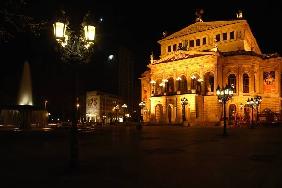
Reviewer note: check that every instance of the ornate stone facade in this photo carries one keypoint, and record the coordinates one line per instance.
(200, 57)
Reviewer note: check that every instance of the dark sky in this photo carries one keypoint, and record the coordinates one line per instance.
(137, 26)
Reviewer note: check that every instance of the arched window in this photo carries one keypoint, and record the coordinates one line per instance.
(183, 85)
(194, 81)
(158, 87)
(170, 85)
(232, 81)
(209, 82)
(246, 83)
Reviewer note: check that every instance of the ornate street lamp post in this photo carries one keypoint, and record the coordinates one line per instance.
(116, 109)
(184, 102)
(74, 47)
(124, 106)
(45, 104)
(257, 101)
(223, 95)
(77, 112)
(251, 104)
(142, 105)
(254, 103)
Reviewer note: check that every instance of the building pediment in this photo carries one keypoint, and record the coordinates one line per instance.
(200, 27)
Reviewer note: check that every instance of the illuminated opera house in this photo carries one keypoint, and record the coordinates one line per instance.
(194, 61)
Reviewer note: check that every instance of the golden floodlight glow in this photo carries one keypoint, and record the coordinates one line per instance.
(26, 100)
(89, 32)
(200, 80)
(193, 77)
(152, 81)
(178, 78)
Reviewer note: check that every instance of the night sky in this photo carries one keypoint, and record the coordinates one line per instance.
(136, 26)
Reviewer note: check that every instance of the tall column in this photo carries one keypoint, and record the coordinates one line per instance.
(174, 80)
(176, 109)
(219, 77)
(215, 79)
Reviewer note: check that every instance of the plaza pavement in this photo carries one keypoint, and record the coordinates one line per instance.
(155, 156)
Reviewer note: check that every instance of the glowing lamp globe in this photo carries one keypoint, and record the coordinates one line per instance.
(59, 30)
(89, 32)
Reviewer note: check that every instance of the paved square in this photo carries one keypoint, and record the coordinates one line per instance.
(156, 156)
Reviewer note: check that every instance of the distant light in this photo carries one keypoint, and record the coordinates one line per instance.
(111, 57)
(58, 119)
(46, 129)
(101, 19)
(17, 129)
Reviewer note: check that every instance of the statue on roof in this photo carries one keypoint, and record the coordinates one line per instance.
(152, 57)
(215, 48)
(164, 34)
(239, 14)
(199, 14)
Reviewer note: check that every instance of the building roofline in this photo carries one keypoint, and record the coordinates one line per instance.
(205, 26)
(250, 53)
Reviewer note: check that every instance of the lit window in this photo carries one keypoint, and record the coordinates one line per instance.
(169, 48)
(232, 35)
(191, 43)
(232, 81)
(204, 41)
(185, 43)
(217, 37)
(246, 83)
(179, 46)
(224, 36)
(198, 42)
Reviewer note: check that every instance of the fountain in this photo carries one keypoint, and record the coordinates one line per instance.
(24, 115)
(25, 98)
(25, 92)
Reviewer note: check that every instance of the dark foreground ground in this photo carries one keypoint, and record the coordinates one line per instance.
(156, 156)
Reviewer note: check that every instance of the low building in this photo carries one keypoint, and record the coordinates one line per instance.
(102, 107)
(196, 60)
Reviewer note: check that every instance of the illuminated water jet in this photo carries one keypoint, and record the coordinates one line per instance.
(25, 92)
